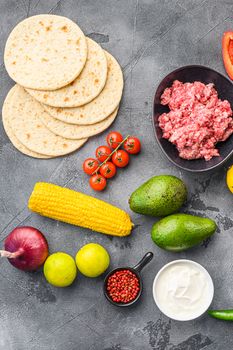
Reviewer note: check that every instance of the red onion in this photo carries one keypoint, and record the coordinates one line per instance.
(26, 248)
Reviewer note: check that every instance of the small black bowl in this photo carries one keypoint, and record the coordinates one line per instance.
(225, 91)
(136, 270)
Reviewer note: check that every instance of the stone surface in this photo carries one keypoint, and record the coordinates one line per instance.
(150, 38)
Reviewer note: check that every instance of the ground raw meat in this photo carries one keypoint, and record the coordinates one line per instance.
(197, 120)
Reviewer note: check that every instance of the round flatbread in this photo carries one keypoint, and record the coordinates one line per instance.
(71, 131)
(85, 87)
(30, 131)
(45, 52)
(8, 129)
(99, 108)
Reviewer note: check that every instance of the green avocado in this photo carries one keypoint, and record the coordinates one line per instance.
(160, 196)
(179, 232)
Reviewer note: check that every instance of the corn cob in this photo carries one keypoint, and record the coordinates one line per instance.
(78, 209)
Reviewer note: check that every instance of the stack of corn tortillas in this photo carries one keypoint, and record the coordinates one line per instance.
(67, 87)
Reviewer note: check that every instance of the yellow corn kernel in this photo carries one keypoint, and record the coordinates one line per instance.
(79, 209)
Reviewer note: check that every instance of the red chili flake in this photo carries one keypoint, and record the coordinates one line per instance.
(123, 286)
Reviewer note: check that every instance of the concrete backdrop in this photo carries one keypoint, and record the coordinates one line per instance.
(150, 39)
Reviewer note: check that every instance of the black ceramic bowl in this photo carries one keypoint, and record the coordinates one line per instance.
(136, 270)
(225, 91)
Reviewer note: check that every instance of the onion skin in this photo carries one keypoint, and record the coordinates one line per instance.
(26, 248)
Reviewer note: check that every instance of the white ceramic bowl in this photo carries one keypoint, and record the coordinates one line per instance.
(208, 279)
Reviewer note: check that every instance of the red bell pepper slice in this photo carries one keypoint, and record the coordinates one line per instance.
(227, 52)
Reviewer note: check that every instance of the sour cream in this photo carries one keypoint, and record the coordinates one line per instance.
(183, 290)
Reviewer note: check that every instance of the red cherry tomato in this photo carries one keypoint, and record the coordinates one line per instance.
(227, 50)
(97, 182)
(108, 170)
(120, 158)
(102, 153)
(114, 138)
(90, 165)
(132, 145)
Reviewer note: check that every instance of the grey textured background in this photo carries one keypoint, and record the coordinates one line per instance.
(149, 38)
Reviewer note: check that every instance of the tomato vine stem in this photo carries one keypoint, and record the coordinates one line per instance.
(110, 155)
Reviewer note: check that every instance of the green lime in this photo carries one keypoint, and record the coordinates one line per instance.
(60, 269)
(92, 260)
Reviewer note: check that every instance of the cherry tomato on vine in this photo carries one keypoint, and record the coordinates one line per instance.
(90, 165)
(132, 145)
(114, 138)
(102, 153)
(97, 182)
(108, 170)
(120, 158)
